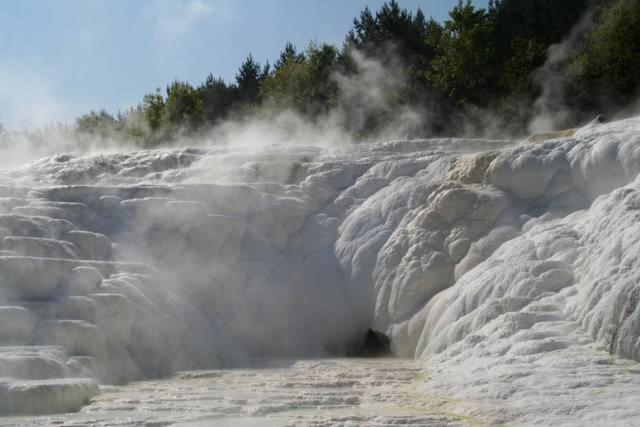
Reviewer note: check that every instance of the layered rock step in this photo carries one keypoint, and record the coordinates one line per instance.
(45, 396)
(71, 316)
(41, 379)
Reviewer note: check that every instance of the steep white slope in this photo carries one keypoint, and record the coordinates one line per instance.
(509, 266)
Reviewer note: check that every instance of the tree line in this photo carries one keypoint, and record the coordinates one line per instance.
(478, 63)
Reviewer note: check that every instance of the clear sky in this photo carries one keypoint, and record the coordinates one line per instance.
(61, 58)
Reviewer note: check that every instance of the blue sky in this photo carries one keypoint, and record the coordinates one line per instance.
(61, 58)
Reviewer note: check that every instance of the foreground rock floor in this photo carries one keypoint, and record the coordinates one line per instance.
(322, 392)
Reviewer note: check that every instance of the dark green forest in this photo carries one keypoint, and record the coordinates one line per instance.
(482, 69)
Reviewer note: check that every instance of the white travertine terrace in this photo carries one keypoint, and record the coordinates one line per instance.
(511, 268)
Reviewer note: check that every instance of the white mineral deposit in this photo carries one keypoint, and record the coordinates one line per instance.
(215, 284)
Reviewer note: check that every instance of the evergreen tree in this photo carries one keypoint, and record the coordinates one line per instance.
(286, 88)
(153, 108)
(290, 53)
(216, 97)
(183, 106)
(464, 67)
(610, 64)
(392, 33)
(321, 91)
(547, 21)
(523, 32)
(305, 85)
(248, 80)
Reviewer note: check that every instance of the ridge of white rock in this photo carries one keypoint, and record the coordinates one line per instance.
(509, 266)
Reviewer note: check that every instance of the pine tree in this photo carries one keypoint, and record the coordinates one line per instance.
(464, 67)
(216, 97)
(610, 65)
(153, 107)
(290, 53)
(183, 106)
(248, 80)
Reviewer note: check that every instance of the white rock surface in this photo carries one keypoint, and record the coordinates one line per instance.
(378, 393)
(511, 268)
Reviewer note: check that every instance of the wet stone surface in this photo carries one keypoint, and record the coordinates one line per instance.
(322, 392)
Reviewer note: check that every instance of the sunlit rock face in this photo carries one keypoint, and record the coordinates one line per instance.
(512, 265)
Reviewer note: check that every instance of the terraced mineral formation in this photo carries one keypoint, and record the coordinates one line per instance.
(509, 267)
